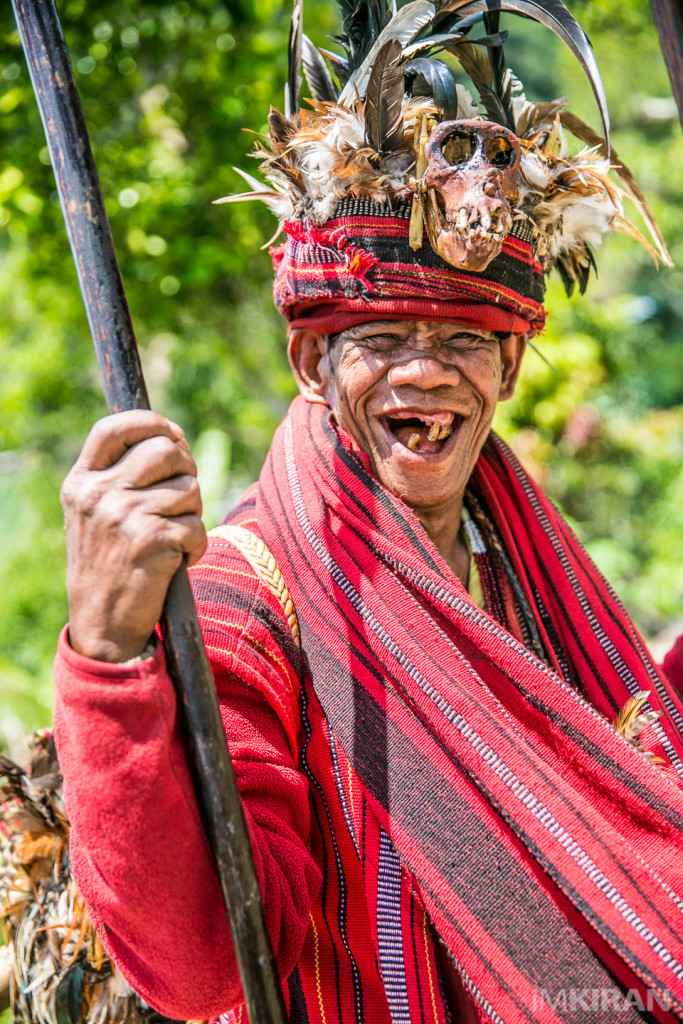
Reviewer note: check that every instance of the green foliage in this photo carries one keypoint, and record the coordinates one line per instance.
(168, 89)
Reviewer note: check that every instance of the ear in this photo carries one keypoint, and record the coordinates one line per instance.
(511, 353)
(309, 359)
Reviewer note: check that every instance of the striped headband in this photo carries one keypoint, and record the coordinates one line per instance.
(359, 266)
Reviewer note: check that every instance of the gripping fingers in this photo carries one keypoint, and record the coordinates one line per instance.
(178, 496)
(153, 460)
(185, 533)
(112, 436)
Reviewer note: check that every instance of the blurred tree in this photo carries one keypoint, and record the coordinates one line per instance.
(168, 91)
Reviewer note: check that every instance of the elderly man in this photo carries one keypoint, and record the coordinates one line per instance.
(418, 666)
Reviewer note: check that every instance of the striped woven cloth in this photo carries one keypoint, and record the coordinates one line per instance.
(362, 257)
(547, 850)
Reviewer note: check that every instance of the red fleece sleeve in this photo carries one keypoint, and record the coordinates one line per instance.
(138, 850)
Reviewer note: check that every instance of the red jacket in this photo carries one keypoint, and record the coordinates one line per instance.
(138, 849)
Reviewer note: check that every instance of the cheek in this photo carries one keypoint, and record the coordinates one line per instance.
(357, 373)
(484, 377)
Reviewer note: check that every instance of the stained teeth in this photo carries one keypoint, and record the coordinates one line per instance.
(414, 442)
(433, 432)
(443, 433)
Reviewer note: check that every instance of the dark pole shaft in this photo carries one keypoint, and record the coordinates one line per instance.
(117, 355)
(668, 15)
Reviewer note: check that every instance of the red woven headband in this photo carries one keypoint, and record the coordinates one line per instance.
(359, 266)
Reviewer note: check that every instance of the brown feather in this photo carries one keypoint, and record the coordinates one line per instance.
(588, 135)
(281, 129)
(384, 100)
(538, 117)
(630, 712)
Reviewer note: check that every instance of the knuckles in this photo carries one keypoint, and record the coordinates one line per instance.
(142, 510)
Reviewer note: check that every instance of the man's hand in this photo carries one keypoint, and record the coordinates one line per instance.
(132, 510)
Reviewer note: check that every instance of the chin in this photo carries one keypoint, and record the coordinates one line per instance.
(423, 488)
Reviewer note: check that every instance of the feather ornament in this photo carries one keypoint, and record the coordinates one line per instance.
(319, 79)
(440, 84)
(555, 16)
(362, 22)
(384, 100)
(404, 26)
(361, 140)
(586, 134)
(296, 30)
(340, 64)
(632, 721)
(59, 972)
(629, 713)
(475, 61)
(501, 80)
(569, 203)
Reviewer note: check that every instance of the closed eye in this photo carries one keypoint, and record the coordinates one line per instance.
(380, 342)
(466, 341)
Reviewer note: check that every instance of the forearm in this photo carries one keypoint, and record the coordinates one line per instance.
(138, 848)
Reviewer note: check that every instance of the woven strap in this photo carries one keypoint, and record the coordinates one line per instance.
(264, 565)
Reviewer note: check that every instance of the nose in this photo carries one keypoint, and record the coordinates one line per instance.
(422, 370)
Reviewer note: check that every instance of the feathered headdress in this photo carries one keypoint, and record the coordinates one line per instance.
(477, 177)
(58, 971)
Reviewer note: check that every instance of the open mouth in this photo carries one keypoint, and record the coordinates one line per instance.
(426, 434)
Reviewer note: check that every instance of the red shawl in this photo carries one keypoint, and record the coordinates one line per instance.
(547, 850)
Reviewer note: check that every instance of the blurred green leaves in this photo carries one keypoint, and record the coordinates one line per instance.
(172, 94)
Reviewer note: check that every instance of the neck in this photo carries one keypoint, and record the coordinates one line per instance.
(443, 526)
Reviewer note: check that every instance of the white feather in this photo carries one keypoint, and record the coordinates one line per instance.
(467, 108)
(251, 181)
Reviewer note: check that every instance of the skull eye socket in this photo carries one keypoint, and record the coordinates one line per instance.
(499, 152)
(459, 149)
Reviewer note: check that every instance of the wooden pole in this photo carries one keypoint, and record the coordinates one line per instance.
(668, 15)
(124, 387)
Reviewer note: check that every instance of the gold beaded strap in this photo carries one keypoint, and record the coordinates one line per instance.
(263, 563)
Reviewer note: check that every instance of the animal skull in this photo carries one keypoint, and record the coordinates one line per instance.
(470, 180)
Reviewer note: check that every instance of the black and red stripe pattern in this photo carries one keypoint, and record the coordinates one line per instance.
(547, 851)
(363, 255)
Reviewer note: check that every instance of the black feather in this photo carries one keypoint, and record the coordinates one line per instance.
(465, 24)
(568, 279)
(317, 75)
(296, 31)
(586, 268)
(384, 100)
(555, 16)
(574, 270)
(440, 84)
(444, 13)
(493, 106)
(497, 58)
(497, 39)
(362, 22)
(476, 63)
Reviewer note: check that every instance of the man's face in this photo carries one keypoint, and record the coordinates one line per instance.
(419, 399)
